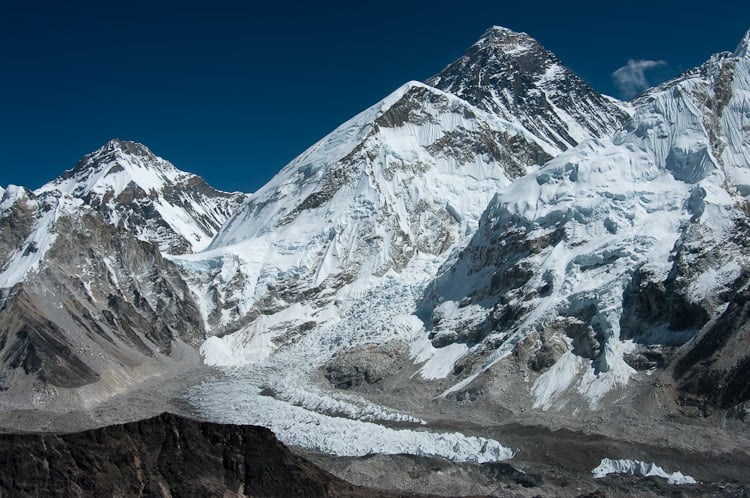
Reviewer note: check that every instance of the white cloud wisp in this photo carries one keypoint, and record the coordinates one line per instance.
(631, 78)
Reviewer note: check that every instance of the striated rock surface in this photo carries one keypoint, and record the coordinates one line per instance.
(97, 311)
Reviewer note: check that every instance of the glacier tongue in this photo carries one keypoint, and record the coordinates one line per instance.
(298, 426)
(276, 390)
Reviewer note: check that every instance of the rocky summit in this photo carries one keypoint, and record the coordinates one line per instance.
(498, 281)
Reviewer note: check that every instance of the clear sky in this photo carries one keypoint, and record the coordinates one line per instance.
(233, 91)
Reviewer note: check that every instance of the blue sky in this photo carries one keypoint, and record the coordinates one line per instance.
(232, 91)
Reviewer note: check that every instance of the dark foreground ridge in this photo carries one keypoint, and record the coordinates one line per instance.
(167, 455)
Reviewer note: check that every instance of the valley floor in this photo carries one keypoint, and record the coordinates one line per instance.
(546, 462)
(399, 434)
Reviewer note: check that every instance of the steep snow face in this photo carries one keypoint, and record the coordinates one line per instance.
(411, 175)
(612, 248)
(132, 187)
(513, 76)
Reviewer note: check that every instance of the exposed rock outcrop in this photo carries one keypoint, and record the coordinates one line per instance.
(166, 455)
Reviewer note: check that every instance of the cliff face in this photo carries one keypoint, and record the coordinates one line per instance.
(163, 456)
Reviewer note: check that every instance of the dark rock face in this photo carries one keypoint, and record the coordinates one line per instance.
(512, 75)
(499, 252)
(15, 225)
(363, 366)
(37, 347)
(715, 372)
(163, 456)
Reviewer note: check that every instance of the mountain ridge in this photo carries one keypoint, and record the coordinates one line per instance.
(163, 455)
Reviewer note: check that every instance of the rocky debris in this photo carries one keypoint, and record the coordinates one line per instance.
(166, 455)
(435, 475)
(502, 471)
(363, 365)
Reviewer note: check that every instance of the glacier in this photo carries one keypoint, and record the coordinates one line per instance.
(636, 467)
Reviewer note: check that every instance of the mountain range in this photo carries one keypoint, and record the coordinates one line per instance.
(498, 245)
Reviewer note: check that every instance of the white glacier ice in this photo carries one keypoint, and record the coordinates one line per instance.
(636, 467)
(276, 391)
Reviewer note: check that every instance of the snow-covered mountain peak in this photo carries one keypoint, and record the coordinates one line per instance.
(133, 187)
(128, 147)
(513, 76)
(499, 50)
(116, 166)
(743, 49)
(506, 40)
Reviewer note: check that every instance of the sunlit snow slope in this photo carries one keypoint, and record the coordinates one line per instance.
(409, 176)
